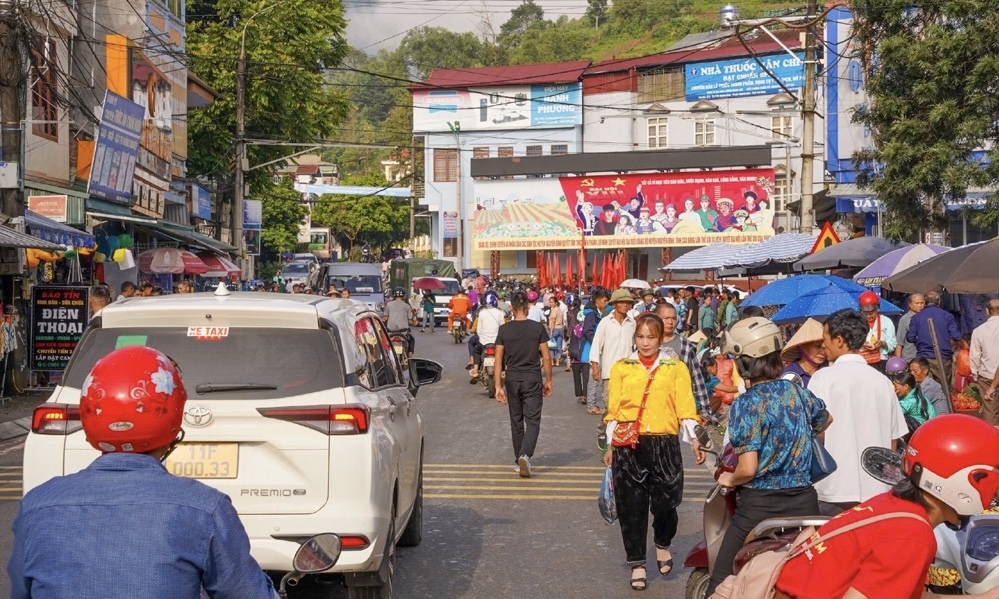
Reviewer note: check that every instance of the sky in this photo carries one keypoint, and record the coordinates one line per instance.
(377, 24)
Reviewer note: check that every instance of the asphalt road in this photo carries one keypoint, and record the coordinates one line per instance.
(487, 532)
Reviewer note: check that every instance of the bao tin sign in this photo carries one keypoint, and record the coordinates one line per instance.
(58, 317)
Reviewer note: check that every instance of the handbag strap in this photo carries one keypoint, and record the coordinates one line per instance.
(645, 397)
(807, 545)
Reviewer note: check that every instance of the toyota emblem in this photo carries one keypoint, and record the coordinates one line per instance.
(197, 416)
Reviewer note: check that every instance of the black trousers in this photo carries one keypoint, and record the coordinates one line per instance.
(524, 399)
(648, 478)
(752, 507)
(580, 378)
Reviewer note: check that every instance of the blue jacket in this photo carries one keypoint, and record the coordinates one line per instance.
(919, 332)
(124, 528)
(591, 318)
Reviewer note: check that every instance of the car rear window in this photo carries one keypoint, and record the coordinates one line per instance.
(296, 361)
(357, 283)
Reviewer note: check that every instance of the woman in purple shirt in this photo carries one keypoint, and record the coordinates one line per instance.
(803, 354)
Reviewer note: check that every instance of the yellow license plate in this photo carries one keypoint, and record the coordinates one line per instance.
(204, 460)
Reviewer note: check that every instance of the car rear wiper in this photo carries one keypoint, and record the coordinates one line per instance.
(220, 387)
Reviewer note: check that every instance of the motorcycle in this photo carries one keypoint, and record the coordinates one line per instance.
(488, 374)
(400, 345)
(967, 559)
(719, 507)
(459, 329)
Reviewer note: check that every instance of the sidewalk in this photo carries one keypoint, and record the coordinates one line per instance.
(15, 413)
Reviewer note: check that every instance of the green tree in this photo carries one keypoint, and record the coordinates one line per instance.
(596, 11)
(933, 106)
(529, 15)
(381, 221)
(289, 47)
(282, 214)
(428, 48)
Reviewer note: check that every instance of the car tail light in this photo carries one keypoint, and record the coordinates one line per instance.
(56, 419)
(353, 542)
(330, 420)
(490, 351)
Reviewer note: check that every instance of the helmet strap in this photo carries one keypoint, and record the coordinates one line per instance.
(173, 445)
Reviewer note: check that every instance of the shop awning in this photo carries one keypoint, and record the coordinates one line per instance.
(56, 232)
(189, 237)
(218, 266)
(849, 198)
(112, 211)
(15, 239)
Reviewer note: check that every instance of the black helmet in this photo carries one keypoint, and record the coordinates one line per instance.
(398, 292)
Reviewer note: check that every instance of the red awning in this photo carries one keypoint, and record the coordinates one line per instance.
(218, 266)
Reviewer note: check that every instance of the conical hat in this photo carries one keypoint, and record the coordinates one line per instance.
(809, 332)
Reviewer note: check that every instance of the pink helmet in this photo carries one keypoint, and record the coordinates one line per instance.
(532, 296)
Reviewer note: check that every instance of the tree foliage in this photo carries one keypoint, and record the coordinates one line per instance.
(933, 106)
(282, 214)
(378, 220)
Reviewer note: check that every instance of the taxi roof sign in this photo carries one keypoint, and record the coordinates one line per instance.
(826, 238)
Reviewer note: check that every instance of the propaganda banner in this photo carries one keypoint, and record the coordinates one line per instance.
(624, 211)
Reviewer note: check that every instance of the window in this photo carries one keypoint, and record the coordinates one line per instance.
(450, 248)
(781, 127)
(379, 368)
(480, 152)
(445, 165)
(704, 132)
(535, 150)
(559, 149)
(658, 127)
(782, 192)
(532, 259)
(44, 86)
(660, 85)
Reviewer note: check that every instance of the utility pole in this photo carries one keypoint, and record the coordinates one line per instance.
(12, 105)
(456, 129)
(412, 197)
(239, 193)
(807, 219)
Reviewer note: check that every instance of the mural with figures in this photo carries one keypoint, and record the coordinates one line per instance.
(623, 211)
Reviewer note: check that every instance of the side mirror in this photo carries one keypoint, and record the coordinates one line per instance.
(883, 464)
(318, 554)
(425, 372)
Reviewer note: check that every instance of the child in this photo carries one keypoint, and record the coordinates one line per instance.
(717, 390)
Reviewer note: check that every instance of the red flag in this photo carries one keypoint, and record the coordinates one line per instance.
(622, 272)
(608, 278)
(568, 271)
(596, 281)
(540, 258)
(581, 267)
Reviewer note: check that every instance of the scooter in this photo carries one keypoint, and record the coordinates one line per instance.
(488, 374)
(459, 329)
(967, 559)
(400, 345)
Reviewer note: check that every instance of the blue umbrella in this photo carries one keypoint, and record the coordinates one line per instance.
(820, 304)
(783, 291)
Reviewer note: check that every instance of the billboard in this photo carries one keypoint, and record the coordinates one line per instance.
(116, 149)
(623, 211)
(201, 202)
(735, 78)
(450, 228)
(499, 108)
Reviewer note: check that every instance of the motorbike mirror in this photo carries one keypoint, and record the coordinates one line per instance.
(883, 464)
(702, 437)
(317, 554)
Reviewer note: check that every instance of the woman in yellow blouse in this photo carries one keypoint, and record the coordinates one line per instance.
(649, 476)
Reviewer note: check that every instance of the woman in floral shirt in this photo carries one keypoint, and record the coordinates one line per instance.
(648, 476)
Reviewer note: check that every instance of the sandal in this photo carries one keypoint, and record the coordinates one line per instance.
(595, 411)
(638, 583)
(665, 566)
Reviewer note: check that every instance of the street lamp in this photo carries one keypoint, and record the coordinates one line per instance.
(239, 195)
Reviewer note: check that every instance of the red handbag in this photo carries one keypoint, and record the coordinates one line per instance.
(626, 433)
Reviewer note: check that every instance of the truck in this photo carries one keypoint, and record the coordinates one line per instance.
(402, 271)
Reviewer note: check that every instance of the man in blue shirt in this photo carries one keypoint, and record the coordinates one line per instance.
(125, 527)
(947, 334)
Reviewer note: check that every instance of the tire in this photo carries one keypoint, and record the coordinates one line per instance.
(385, 590)
(413, 534)
(697, 584)
(490, 383)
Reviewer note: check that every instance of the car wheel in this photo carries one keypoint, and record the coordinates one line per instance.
(413, 533)
(385, 590)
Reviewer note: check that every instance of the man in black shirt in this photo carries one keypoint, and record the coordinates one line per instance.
(521, 349)
(691, 323)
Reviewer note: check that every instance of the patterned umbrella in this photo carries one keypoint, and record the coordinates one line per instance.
(896, 261)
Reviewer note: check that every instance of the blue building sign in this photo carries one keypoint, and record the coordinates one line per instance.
(741, 77)
(557, 105)
(116, 149)
(201, 202)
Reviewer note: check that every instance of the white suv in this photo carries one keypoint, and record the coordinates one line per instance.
(297, 408)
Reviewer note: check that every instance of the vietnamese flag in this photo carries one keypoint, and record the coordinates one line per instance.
(568, 271)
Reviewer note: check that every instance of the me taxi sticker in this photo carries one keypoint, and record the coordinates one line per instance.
(206, 333)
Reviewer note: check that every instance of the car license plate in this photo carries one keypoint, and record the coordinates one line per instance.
(488, 362)
(204, 460)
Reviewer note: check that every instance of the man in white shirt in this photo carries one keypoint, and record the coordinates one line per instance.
(864, 408)
(487, 328)
(537, 311)
(612, 341)
(984, 356)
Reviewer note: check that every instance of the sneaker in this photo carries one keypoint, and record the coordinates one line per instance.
(524, 464)
(581, 399)
(422, 330)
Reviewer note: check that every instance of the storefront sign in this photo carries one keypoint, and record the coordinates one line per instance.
(201, 202)
(743, 77)
(58, 317)
(116, 149)
(623, 211)
(253, 214)
(53, 207)
(450, 225)
(501, 107)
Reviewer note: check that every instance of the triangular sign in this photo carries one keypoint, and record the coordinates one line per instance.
(825, 239)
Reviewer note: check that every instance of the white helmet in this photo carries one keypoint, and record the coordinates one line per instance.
(753, 337)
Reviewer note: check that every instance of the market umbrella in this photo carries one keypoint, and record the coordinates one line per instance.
(823, 302)
(896, 261)
(784, 291)
(968, 269)
(856, 253)
(634, 284)
(218, 266)
(171, 261)
(428, 284)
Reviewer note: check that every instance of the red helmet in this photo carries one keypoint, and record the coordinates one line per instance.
(869, 301)
(132, 401)
(955, 458)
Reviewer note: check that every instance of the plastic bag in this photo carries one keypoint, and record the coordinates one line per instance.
(608, 508)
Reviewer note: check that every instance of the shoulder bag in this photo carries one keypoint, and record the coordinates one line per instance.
(626, 433)
(757, 579)
(823, 463)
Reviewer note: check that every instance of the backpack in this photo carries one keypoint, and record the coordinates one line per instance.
(757, 579)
